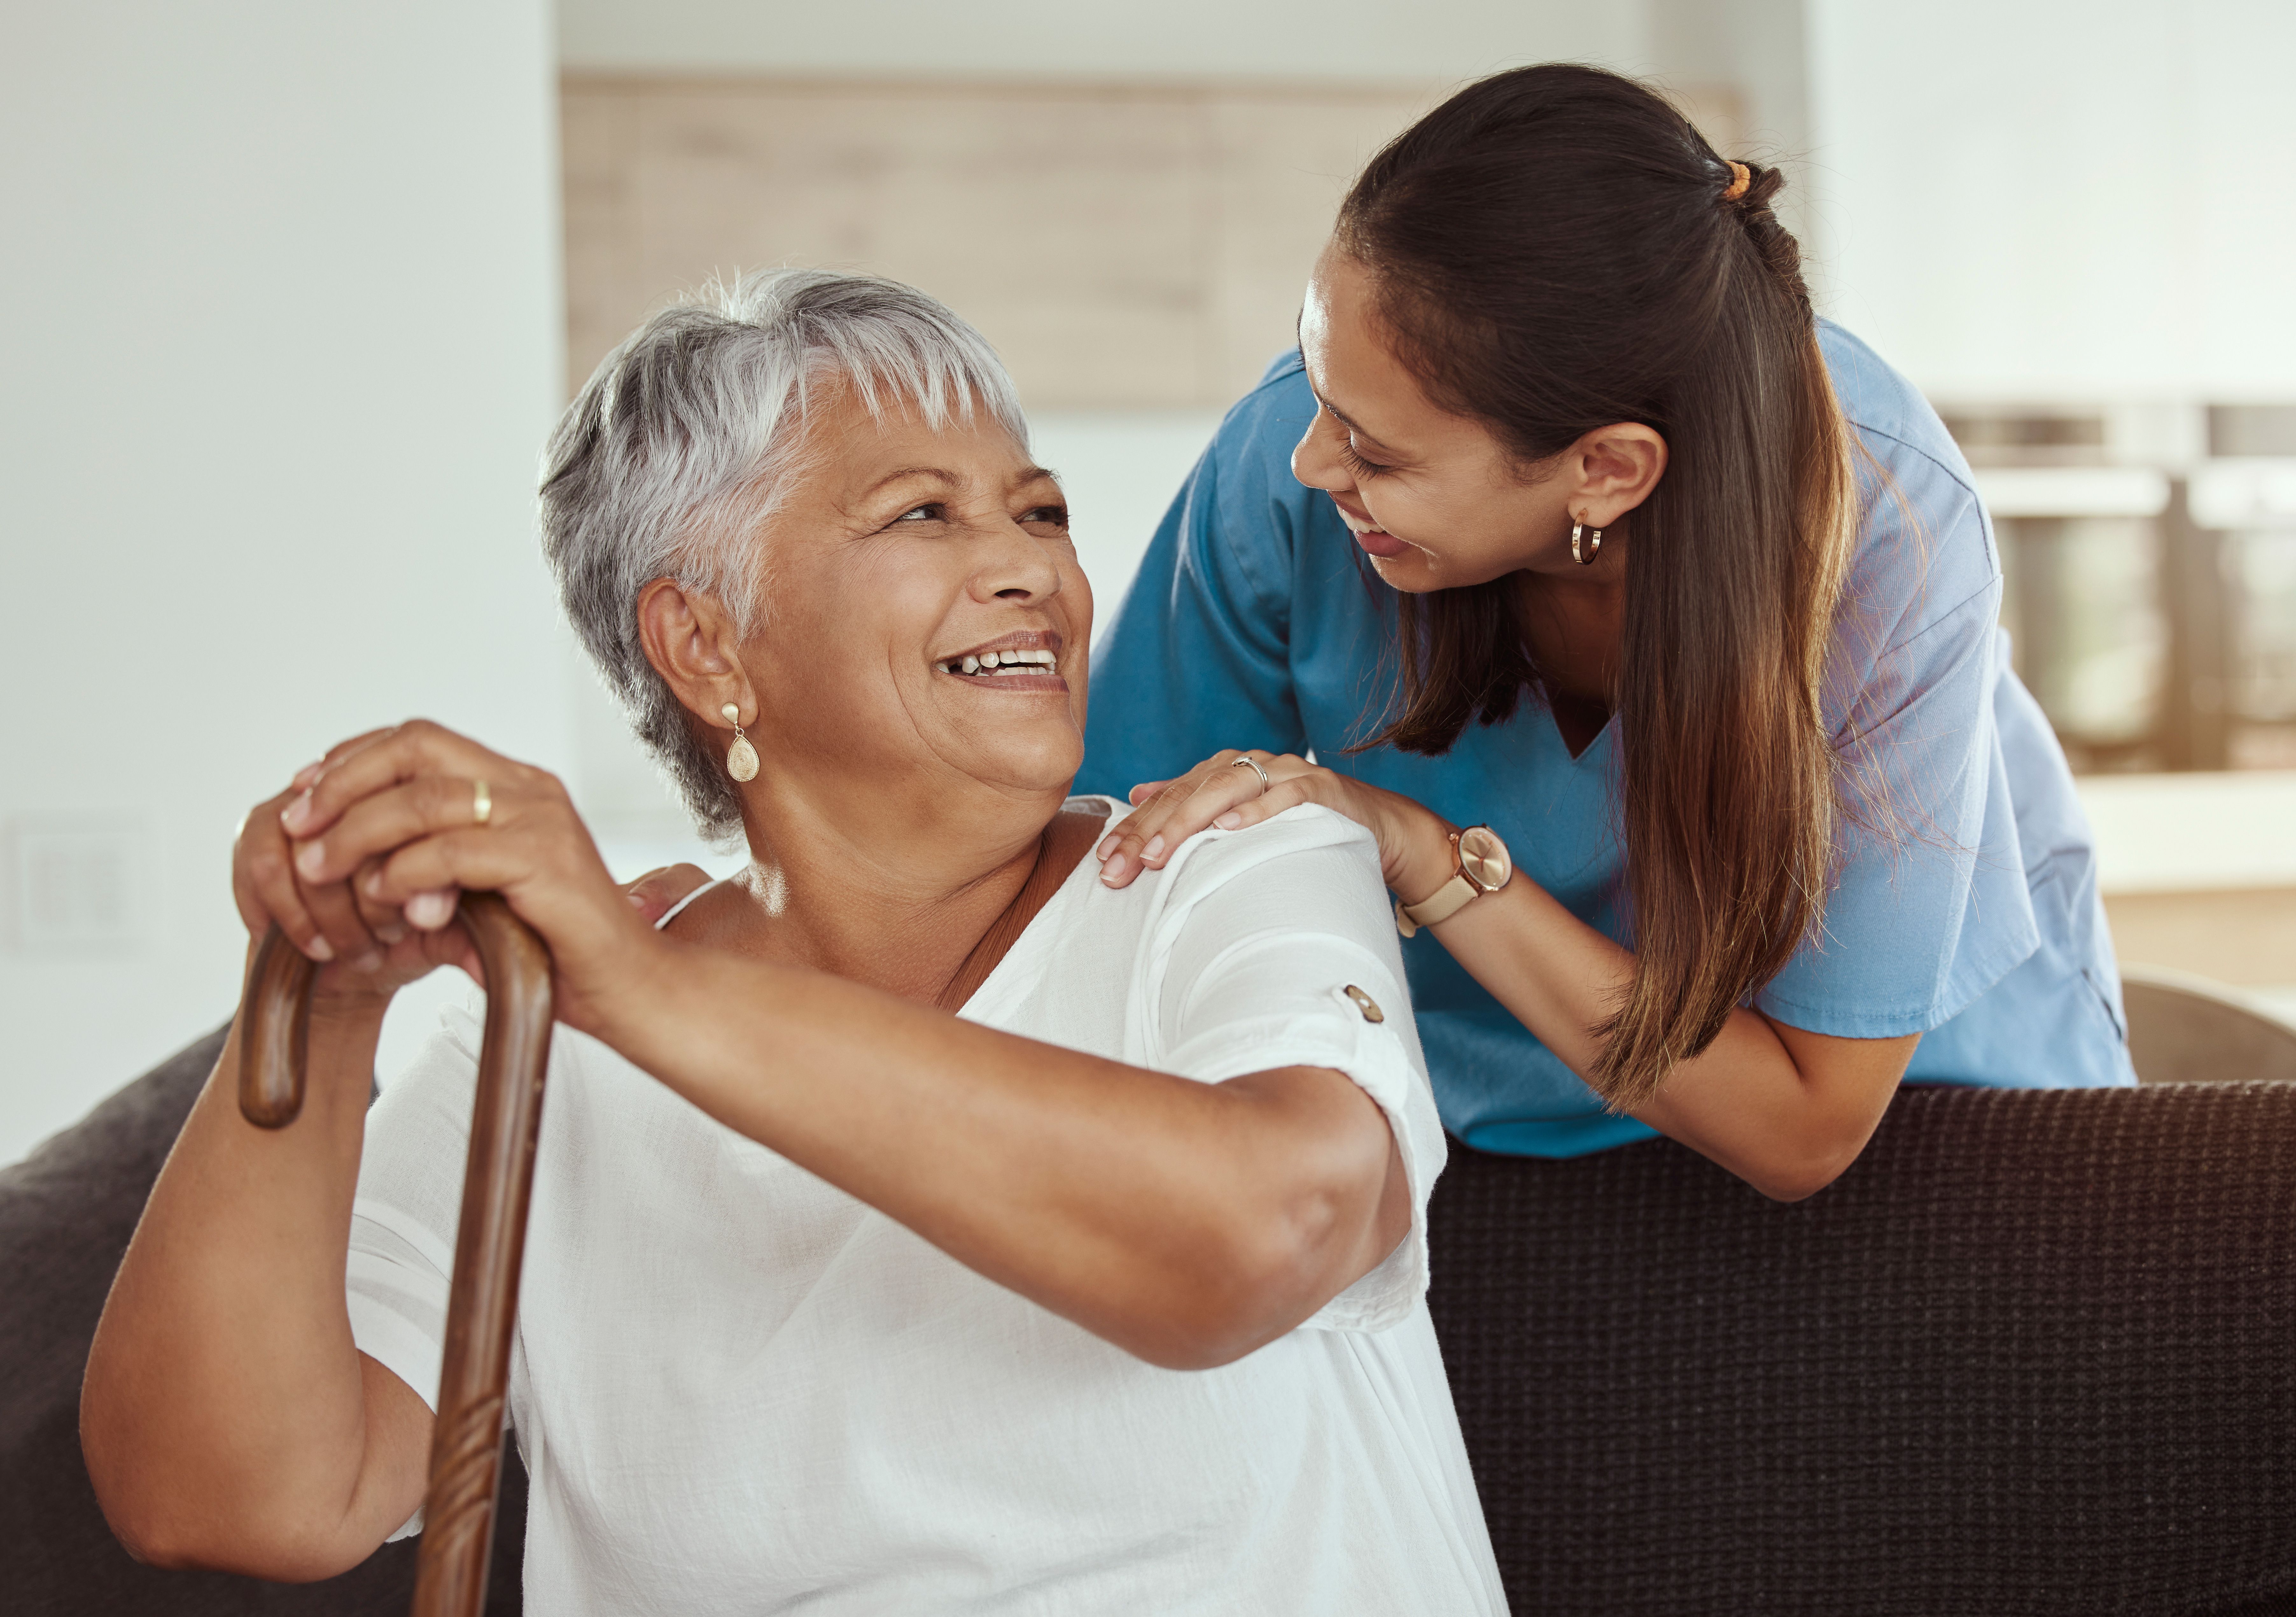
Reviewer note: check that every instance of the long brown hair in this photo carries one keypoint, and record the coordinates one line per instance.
(1554, 252)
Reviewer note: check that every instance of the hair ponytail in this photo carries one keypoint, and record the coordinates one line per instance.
(1554, 253)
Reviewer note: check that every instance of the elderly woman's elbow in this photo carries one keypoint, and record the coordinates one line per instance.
(178, 1525)
(159, 1531)
(1246, 1287)
(185, 1542)
(135, 1506)
(172, 1535)
(1210, 1344)
(149, 1538)
(1191, 1349)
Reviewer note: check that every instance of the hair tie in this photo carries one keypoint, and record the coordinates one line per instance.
(1741, 177)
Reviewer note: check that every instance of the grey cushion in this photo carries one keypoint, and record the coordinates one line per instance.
(66, 1213)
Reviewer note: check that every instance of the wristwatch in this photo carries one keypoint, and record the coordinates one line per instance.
(1479, 864)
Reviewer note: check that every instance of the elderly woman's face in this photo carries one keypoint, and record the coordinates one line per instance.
(927, 616)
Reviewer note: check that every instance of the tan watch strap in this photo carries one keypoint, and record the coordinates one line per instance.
(1441, 905)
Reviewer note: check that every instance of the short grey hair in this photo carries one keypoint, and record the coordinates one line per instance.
(686, 436)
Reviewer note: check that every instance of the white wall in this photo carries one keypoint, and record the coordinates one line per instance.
(2062, 198)
(1121, 469)
(280, 317)
(1758, 48)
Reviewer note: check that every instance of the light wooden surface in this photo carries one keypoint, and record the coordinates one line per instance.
(1124, 246)
(2243, 936)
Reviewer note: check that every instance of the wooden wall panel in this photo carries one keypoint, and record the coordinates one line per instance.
(1124, 246)
(1278, 168)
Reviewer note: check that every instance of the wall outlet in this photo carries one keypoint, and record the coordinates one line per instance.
(77, 886)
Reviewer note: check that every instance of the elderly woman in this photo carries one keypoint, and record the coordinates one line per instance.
(919, 1225)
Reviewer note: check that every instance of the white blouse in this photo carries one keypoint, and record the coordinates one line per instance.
(740, 1390)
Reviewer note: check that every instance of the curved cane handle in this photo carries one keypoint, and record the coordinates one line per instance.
(490, 1244)
(272, 1043)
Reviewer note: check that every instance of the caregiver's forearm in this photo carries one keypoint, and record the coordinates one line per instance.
(227, 1419)
(1784, 1109)
(1188, 1223)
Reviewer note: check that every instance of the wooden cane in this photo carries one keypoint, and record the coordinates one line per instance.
(458, 1511)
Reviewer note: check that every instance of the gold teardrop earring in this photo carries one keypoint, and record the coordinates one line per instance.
(741, 758)
(1594, 548)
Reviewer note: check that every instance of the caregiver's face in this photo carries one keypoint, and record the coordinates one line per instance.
(926, 618)
(1433, 497)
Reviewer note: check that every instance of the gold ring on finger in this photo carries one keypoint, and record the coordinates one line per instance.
(1252, 764)
(482, 803)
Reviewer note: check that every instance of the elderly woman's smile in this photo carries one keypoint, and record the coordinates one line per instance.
(1025, 661)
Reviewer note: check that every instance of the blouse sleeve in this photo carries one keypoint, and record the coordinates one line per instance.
(1197, 658)
(1277, 949)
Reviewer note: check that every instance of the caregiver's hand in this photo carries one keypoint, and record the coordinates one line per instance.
(654, 894)
(396, 815)
(1415, 848)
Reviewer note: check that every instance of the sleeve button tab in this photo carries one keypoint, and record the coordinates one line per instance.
(1365, 1004)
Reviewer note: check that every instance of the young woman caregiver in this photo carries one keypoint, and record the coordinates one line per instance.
(1679, 706)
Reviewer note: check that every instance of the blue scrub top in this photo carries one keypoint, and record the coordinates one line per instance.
(1977, 924)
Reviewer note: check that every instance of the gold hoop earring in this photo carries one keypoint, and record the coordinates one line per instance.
(1594, 547)
(741, 758)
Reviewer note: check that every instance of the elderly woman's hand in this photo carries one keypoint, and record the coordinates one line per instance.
(366, 950)
(1227, 791)
(392, 826)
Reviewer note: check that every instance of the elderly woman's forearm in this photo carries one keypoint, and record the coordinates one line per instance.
(225, 1413)
(1186, 1222)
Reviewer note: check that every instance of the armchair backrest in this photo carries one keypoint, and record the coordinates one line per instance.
(2035, 1353)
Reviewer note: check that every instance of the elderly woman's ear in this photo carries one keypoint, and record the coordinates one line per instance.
(696, 645)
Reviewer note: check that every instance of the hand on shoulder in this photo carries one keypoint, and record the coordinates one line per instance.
(1232, 790)
(656, 894)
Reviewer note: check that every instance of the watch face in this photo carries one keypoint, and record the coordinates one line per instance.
(1485, 859)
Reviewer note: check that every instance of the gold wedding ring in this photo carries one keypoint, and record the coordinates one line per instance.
(1252, 764)
(482, 803)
